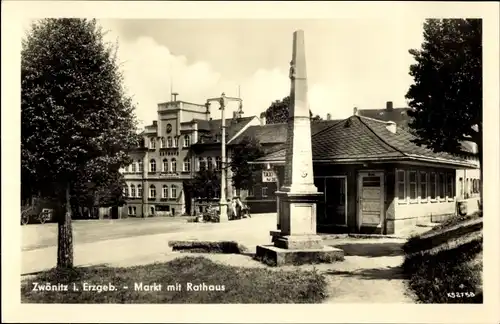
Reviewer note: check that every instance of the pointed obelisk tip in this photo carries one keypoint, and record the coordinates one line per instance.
(299, 55)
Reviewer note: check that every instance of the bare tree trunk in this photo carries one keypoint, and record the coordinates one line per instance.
(481, 176)
(65, 234)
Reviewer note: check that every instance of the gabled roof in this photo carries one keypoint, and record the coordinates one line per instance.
(276, 133)
(358, 139)
(209, 129)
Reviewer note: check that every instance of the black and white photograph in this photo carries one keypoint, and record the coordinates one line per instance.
(245, 160)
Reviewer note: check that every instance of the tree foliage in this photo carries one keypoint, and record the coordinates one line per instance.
(205, 184)
(75, 115)
(446, 97)
(278, 112)
(246, 175)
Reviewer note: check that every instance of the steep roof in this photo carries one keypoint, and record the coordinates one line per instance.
(209, 129)
(276, 133)
(364, 139)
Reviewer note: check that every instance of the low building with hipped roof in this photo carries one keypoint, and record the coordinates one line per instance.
(374, 179)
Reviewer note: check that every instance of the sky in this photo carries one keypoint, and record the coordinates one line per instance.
(350, 62)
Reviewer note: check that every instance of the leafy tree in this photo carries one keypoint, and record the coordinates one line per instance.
(246, 175)
(205, 184)
(446, 97)
(278, 112)
(75, 115)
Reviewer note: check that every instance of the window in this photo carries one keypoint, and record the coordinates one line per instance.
(152, 143)
(401, 181)
(169, 141)
(152, 165)
(423, 185)
(133, 167)
(432, 185)
(165, 191)
(202, 165)
(413, 185)
(264, 191)
(441, 186)
(130, 210)
(125, 191)
(139, 164)
(250, 192)
(174, 165)
(187, 141)
(139, 191)
(218, 163)
(165, 165)
(187, 165)
(152, 210)
(449, 185)
(162, 140)
(134, 210)
(132, 191)
(173, 191)
(461, 186)
(176, 141)
(152, 191)
(210, 164)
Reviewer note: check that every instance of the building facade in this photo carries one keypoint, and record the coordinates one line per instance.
(374, 179)
(170, 154)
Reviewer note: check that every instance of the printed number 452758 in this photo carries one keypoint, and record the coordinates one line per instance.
(461, 294)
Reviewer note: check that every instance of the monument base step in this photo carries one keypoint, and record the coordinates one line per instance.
(273, 255)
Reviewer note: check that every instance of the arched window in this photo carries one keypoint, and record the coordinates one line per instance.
(202, 165)
(125, 191)
(169, 141)
(139, 191)
(174, 165)
(164, 191)
(152, 142)
(152, 165)
(176, 141)
(187, 141)
(133, 167)
(152, 191)
(187, 165)
(210, 164)
(139, 164)
(132, 191)
(218, 163)
(162, 140)
(130, 210)
(165, 165)
(173, 192)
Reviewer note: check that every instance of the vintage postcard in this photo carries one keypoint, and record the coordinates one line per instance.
(223, 162)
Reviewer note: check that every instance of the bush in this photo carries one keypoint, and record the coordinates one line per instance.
(435, 276)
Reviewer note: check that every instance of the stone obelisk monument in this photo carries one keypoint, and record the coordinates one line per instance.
(297, 241)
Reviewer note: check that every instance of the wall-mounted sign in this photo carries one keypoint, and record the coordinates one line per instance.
(269, 176)
(169, 128)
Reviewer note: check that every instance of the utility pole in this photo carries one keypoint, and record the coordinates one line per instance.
(223, 100)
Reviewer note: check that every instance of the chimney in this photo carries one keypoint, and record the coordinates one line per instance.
(262, 119)
(174, 97)
(391, 127)
(389, 106)
(155, 123)
(328, 116)
(355, 111)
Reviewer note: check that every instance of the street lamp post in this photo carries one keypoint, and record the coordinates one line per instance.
(223, 100)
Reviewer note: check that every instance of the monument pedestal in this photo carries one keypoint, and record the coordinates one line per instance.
(296, 242)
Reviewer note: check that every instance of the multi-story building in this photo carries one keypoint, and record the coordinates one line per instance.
(182, 140)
